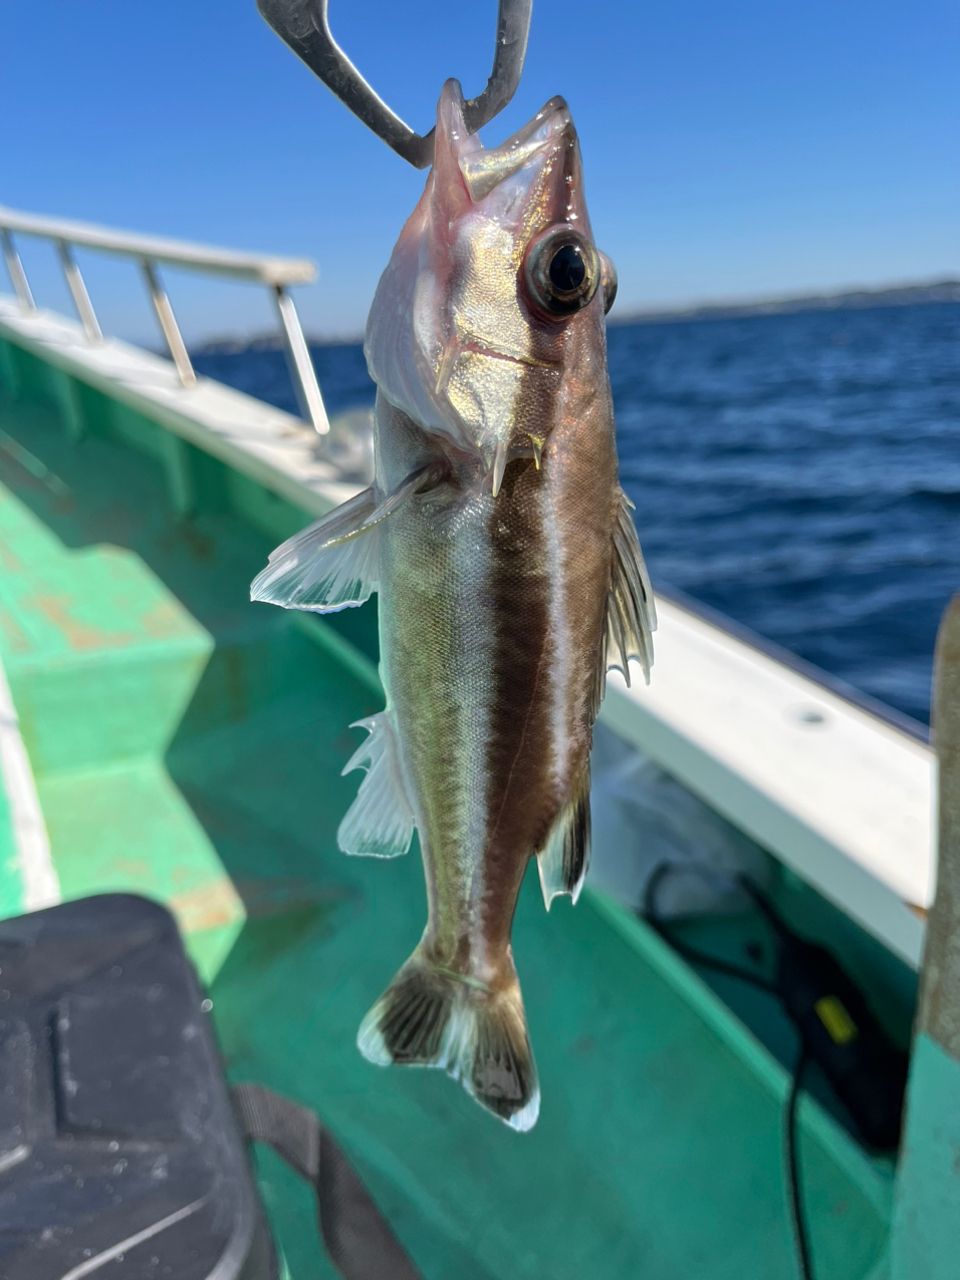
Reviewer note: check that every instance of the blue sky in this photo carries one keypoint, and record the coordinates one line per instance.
(732, 147)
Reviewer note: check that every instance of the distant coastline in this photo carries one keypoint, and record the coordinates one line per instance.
(901, 295)
(852, 299)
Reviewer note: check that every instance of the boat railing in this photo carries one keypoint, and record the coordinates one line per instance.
(276, 274)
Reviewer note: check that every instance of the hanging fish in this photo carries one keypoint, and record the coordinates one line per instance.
(509, 573)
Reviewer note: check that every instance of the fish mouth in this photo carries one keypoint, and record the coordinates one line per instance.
(484, 168)
(514, 357)
(552, 119)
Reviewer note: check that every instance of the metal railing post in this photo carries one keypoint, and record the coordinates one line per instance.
(168, 325)
(152, 253)
(301, 366)
(18, 277)
(78, 291)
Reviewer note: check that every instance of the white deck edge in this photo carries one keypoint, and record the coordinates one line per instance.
(38, 877)
(271, 446)
(837, 794)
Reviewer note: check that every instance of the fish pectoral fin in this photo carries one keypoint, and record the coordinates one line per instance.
(631, 612)
(329, 566)
(564, 859)
(432, 1017)
(379, 823)
(335, 563)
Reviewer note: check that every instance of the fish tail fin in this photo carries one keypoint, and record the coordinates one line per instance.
(431, 1017)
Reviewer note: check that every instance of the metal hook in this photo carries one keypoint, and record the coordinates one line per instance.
(304, 25)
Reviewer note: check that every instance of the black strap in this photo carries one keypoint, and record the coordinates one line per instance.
(357, 1235)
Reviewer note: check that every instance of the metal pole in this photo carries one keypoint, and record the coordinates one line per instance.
(168, 325)
(18, 277)
(78, 291)
(927, 1203)
(301, 366)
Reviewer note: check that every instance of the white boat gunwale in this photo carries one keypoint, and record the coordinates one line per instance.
(838, 793)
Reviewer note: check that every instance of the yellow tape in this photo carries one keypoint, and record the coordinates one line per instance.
(841, 1028)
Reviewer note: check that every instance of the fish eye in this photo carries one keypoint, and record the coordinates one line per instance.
(561, 272)
(608, 280)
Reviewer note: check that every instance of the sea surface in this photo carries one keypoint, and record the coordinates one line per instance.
(798, 472)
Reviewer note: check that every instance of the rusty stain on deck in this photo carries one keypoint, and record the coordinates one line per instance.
(163, 620)
(17, 639)
(79, 635)
(208, 906)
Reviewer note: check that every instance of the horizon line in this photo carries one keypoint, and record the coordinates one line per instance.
(946, 288)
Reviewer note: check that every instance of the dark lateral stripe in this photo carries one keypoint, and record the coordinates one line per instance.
(519, 751)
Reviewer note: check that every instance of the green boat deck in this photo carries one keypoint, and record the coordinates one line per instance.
(187, 745)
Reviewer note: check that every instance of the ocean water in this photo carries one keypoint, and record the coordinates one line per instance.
(799, 473)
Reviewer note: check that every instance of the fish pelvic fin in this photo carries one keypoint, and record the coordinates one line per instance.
(565, 857)
(432, 1017)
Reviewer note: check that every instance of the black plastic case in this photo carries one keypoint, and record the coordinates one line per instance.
(120, 1154)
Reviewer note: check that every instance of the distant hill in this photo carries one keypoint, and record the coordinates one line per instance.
(231, 344)
(902, 295)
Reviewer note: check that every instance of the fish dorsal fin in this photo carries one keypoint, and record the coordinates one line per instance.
(334, 564)
(379, 823)
(564, 859)
(631, 613)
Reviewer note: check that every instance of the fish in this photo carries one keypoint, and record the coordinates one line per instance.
(509, 576)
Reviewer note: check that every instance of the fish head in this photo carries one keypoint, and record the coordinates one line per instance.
(494, 282)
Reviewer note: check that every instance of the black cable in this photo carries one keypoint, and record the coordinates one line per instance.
(791, 1154)
(656, 922)
(715, 963)
(763, 905)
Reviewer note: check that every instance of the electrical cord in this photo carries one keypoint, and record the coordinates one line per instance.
(716, 963)
(791, 1154)
(798, 1221)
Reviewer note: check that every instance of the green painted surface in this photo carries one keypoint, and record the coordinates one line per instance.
(10, 895)
(188, 745)
(927, 1221)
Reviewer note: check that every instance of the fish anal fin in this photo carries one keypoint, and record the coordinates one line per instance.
(379, 823)
(563, 861)
(631, 612)
(432, 1017)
